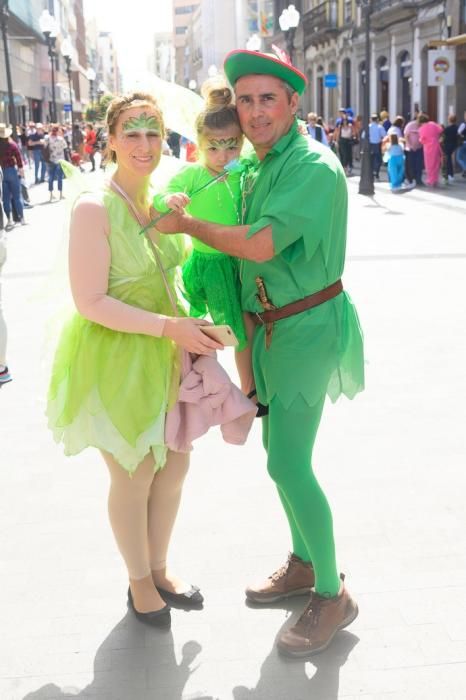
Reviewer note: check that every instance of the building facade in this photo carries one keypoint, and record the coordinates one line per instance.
(108, 75)
(217, 28)
(182, 19)
(31, 65)
(331, 47)
(25, 56)
(162, 60)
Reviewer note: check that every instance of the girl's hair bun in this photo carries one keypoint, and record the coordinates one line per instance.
(216, 93)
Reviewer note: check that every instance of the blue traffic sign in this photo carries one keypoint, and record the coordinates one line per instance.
(67, 107)
(330, 80)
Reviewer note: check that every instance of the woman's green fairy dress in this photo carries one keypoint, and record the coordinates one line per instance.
(111, 389)
(210, 278)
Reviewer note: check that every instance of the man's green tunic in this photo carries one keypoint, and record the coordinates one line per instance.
(299, 189)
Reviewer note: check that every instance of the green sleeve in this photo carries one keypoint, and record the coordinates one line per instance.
(183, 181)
(302, 205)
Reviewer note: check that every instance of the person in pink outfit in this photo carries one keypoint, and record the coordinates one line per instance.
(429, 135)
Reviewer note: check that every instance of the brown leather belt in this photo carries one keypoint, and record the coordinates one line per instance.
(296, 307)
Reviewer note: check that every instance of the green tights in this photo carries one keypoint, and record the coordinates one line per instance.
(288, 437)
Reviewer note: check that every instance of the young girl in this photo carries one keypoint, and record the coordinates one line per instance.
(211, 278)
(395, 159)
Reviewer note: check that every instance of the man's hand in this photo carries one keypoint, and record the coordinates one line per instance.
(174, 222)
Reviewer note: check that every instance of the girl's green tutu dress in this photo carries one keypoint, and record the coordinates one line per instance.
(111, 389)
(210, 278)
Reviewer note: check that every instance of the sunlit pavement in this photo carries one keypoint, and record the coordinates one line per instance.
(392, 463)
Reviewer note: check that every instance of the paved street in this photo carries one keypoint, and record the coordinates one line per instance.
(392, 463)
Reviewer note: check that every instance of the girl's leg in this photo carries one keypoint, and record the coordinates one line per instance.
(51, 168)
(291, 439)
(128, 511)
(390, 172)
(164, 501)
(59, 177)
(400, 171)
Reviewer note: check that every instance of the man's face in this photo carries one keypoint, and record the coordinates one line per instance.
(265, 110)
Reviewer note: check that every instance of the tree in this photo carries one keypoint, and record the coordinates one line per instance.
(95, 111)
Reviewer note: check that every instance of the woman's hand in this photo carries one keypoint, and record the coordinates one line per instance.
(177, 201)
(187, 333)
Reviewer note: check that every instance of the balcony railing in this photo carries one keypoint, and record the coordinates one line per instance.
(381, 5)
(386, 12)
(320, 23)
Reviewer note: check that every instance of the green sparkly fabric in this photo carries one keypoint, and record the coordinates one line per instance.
(211, 284)
(111, 389)
(210, 278)
(299, 190)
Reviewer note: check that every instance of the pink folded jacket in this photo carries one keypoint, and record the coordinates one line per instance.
(207, 397)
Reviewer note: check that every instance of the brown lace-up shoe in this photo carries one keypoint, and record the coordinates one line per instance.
(318, 624)
(296, 577)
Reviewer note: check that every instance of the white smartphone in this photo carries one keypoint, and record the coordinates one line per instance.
(222, 334)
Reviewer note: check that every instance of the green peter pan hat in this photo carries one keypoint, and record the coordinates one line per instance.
(243, 62)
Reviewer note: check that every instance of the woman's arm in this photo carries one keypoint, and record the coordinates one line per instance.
(17, 156)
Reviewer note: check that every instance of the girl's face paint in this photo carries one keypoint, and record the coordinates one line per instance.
(137, 140)
(217, 148)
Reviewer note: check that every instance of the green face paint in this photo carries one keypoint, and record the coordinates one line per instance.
(142, 123)
(224, 144)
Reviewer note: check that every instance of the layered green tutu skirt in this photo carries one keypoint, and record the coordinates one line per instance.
(211, 285)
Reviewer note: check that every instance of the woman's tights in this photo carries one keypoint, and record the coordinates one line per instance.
(289, 436)
(143, 509)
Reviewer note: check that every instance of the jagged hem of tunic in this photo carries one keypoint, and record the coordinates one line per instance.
(335, 389)
(95, 429)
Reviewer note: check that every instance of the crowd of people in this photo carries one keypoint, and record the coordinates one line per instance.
(408, 148)
(40, 148)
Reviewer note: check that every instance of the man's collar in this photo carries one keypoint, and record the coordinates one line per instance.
(285, 140)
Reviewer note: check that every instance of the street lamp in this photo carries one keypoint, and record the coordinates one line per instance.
(366, 181)
(192, 84)
(67, 53)
(90, 75)
(48, 27)
(4, 14)
(288, 21)
(254, 43)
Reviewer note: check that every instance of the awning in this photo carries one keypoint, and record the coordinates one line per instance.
(452, 41)
(19, 100)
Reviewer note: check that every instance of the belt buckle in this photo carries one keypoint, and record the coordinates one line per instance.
(257, 314)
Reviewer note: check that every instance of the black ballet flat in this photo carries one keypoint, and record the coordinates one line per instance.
(190, 599)
(156, 618)
(262, 409)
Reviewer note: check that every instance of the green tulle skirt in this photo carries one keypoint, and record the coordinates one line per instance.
(211, 285)
(111, 390)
